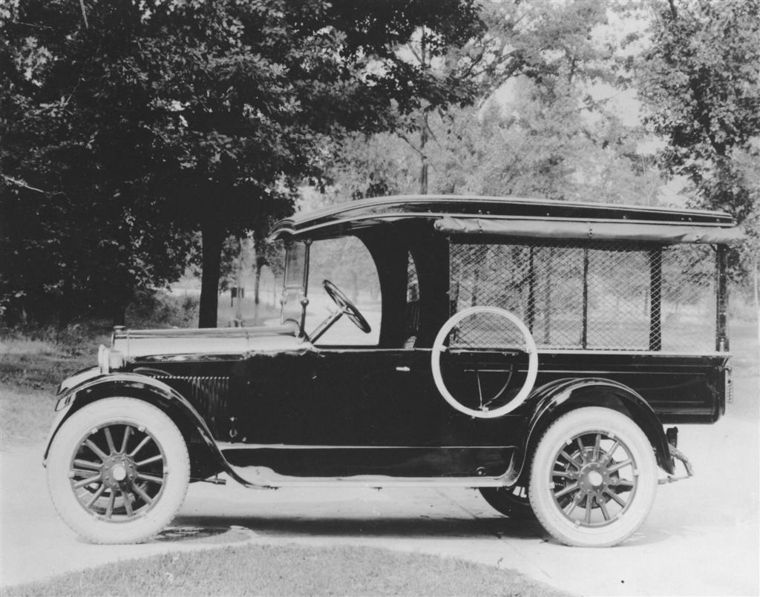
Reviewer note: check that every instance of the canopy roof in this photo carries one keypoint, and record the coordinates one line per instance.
(516, 217)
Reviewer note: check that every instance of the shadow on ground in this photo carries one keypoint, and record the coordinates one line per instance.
(407, 528)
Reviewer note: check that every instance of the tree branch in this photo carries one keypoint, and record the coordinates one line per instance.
(23, 184)
(84, 14)
(414, 53)
(673, 10)
(412, 145)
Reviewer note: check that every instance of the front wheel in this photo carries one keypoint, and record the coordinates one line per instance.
(118, 471)
(593, 478)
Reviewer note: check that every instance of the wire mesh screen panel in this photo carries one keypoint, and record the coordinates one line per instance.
(688, 319)
(486, 331)
(596, 297)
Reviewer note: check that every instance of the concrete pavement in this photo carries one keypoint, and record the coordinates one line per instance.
(701, 538)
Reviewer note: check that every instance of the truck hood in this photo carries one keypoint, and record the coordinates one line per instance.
(134, 344)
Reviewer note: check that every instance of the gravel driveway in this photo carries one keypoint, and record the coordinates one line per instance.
(702, 537)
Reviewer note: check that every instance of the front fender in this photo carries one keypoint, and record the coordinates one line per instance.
(145, 388)
(563, 395)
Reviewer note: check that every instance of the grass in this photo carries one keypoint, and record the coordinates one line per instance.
(32, 366)
(290, 571)
(41, 364)
(30, 371)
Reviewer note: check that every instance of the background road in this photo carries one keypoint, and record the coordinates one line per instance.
(701, 538)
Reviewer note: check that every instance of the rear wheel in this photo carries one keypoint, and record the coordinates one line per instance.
(510, 501)
(118, 471)
(593, 478)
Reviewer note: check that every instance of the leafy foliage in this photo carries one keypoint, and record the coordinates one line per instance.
(543, 125)
(701, 82)
(160, 118)
(79, 230)
(136, 137)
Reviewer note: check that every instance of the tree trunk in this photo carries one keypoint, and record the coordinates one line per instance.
(212, 237)
(119, 314)
(257, 282)
(756, 285)
(260, 260)
(260, 255)
(424, 125)
(424, 166)
(239, 288)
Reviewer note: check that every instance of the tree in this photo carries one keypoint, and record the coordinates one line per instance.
(206, 115)
(700, 81)
(544, 133)
(266, 84)
(78, 234)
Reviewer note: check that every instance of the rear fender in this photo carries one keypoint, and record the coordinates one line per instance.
(561, 396)
(142, 387)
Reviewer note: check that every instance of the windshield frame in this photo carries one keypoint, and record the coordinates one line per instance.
(300, 285)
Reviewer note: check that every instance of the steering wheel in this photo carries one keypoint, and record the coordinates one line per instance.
(346, 306)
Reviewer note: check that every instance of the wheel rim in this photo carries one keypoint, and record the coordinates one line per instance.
(118, 472)
(594, 479)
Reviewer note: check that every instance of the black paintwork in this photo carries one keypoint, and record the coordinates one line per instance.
(376, 411)
(366, 213)
(395, 462)
(337, 412)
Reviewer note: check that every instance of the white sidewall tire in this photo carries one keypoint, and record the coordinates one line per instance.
(546, 509)
(68, 439)
(530, 378)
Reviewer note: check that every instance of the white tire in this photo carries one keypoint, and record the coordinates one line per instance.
(593, 478)
(118, 471)
(530, 349)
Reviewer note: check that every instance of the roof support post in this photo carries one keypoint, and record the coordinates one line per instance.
(721, 310)
(531, 289)
(548, 296)
(655, 299)
(584, 332)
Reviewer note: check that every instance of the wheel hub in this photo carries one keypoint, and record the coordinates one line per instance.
(119, 472)
(118, 469)
(593, 478)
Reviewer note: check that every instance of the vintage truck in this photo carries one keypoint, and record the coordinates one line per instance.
(532, 349)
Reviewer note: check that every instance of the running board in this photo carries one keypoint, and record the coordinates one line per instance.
(259, 477)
